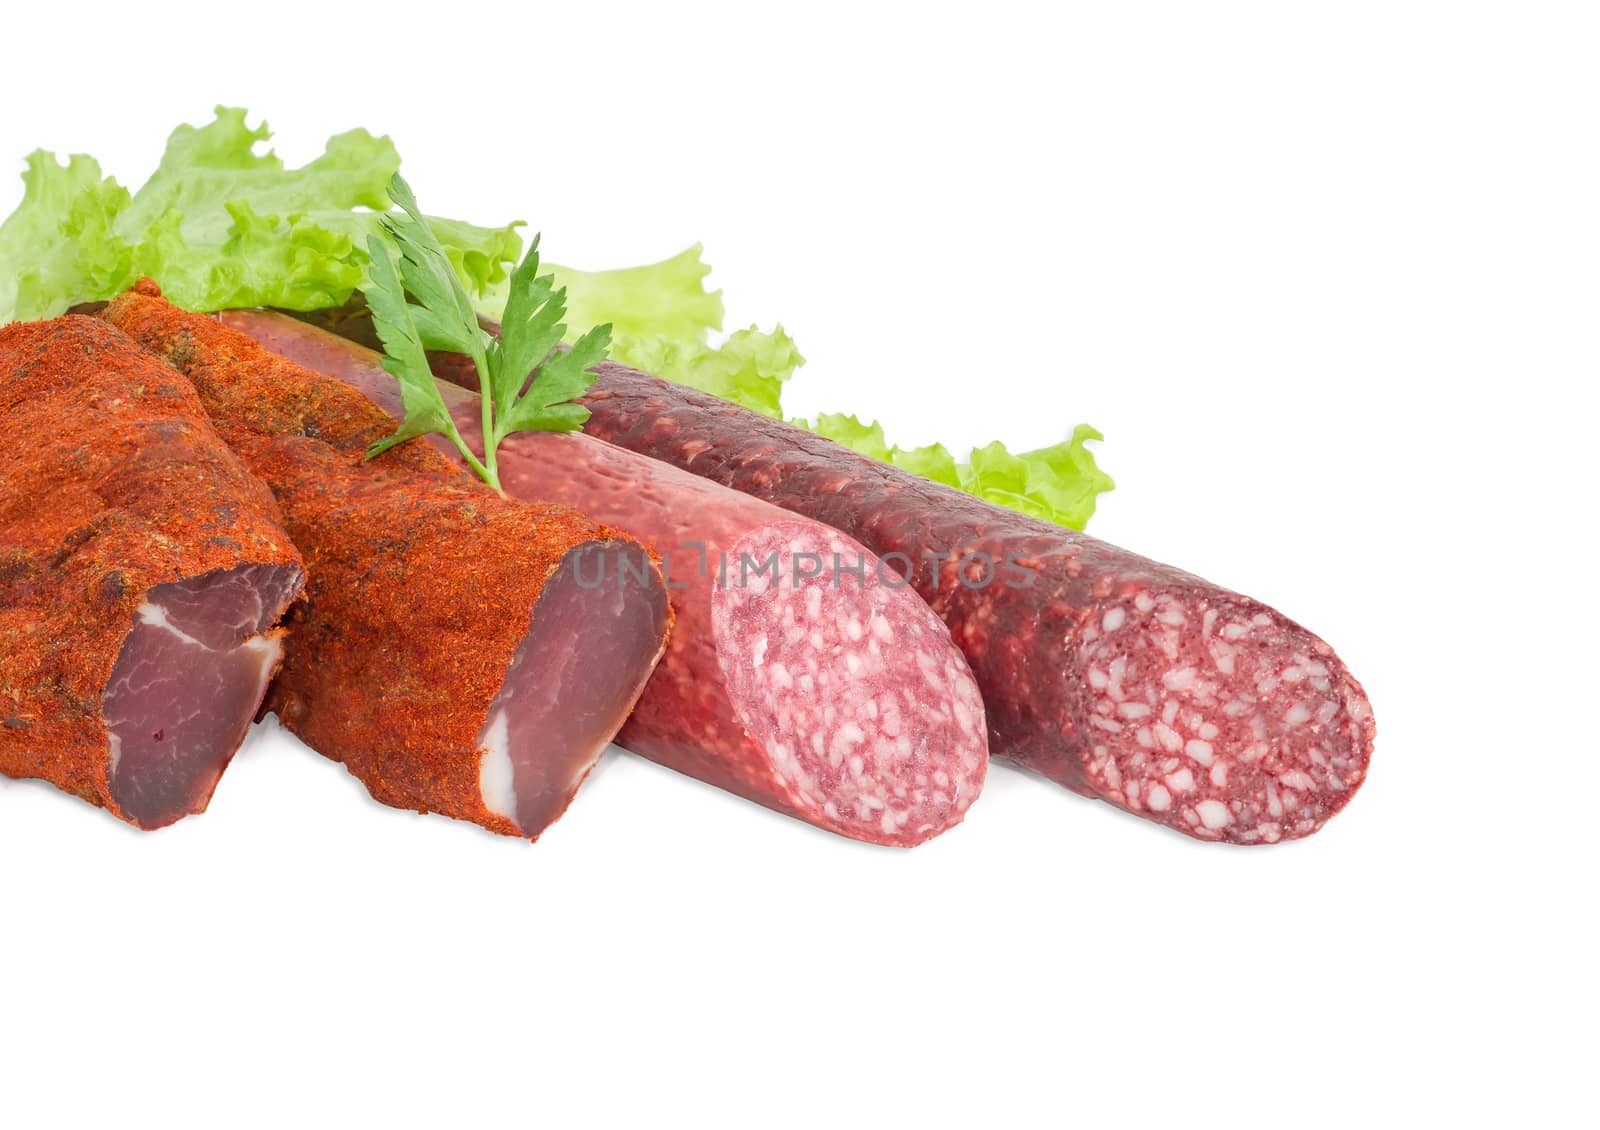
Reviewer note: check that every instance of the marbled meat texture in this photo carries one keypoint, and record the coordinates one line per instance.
(1114, 675)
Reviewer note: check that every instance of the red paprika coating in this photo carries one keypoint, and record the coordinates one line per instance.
(118, 497)
(423, 585)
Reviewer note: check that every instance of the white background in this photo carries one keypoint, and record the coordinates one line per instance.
(1326, 277)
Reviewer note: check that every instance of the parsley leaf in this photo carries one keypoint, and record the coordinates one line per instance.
(405, 359)
(420, 304)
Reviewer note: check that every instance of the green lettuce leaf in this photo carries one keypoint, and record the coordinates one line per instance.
(221, 224)
(748, 369)
(59, 244)
(218, 225)
(1057, 484)
(666, 299)
(483, 257)
(664, 316)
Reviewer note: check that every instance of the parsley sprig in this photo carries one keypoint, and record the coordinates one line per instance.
(418, 303)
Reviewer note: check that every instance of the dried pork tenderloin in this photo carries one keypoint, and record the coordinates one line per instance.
(142, 569)
(796, 677)
(453, 651)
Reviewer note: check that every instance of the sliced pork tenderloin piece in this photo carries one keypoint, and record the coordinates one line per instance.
(455, 649)
(142, 571)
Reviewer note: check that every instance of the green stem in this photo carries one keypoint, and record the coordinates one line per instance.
(485, 473)
(491, 473)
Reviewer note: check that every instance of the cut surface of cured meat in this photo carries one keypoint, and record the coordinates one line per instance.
(558, 710)
(187, 683)
(1116, 676)
(142, 571)
(449, 651)
(802, 674)
(1213, 710)
(845, 691)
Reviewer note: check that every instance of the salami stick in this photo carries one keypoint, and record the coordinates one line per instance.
(1119, 677)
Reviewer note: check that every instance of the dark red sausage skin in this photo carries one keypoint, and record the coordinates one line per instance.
(1117, 676)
